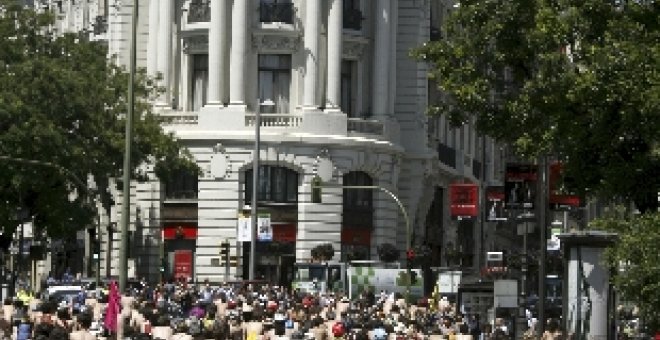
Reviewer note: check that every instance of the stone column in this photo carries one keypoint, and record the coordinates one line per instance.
(311, 41)
(217, 46)
(382, 51)
(238, 53)
(165, 48)
(335, 29)
(152, 43)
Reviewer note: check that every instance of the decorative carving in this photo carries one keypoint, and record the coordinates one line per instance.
(274, 42)
(196, 43)
(199, 11)
(353, 49)
(323, 165)
(220, 166)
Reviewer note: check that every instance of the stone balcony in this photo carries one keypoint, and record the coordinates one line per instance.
(316, 123)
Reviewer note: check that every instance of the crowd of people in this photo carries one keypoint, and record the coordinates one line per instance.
(178, 311)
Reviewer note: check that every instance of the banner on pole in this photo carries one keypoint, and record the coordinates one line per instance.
(520, 186)
(264, 228)
(244, 233)
(464, 200)
(495, 204)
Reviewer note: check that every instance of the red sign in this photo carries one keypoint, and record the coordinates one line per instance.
(284, 232)
(183, 264)
(559, 199)
(463, 200)
(180, 232)
(356, 236)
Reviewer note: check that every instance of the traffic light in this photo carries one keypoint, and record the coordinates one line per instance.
(410, 254)
(316, 189)
(224, 248)
(163, 264)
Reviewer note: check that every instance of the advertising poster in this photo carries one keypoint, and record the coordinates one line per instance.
(495, 204)
(463, 200)
(520, 186)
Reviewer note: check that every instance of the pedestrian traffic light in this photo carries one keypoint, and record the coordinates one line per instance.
(224, 248)
(410, 254)
(316, 189)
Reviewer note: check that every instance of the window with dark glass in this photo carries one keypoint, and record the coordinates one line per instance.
(276, 11)
(358, 198)
(348, 87)
(352, 15)
(200, 80)
(274, 82)
(181, 184)
(276, 185)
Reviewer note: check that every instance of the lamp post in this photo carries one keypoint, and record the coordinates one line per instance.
(317, 185)
(128, 143)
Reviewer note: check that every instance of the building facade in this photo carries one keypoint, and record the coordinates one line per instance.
(339, 99)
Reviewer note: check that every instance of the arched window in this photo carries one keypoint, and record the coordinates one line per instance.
(357, 217)
(276, 185)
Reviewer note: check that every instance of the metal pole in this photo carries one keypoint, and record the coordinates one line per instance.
(126, 202)
(255, 192)
(542, 209)
(97, 251)
(482, 203)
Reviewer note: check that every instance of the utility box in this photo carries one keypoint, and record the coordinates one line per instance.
(505, 293)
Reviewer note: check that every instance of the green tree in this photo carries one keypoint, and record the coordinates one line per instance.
(573, 78)
(387, 252)
(62, 102)
(323, 252)
(636, 256)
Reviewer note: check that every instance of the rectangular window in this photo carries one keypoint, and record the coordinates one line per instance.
(352, 15)
(274, 83)
(181, 185)
(348, 87)
(276, 185)
(276, 11)
(200, 80)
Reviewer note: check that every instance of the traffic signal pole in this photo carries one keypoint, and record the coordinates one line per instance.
(317, 185)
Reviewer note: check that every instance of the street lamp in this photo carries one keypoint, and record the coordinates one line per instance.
(317, 185)
(524, 222)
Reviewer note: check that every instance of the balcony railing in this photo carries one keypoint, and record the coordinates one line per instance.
(275, 120)
(353, 19)
(199, 11)
(276, 12)
(447, 155)
(359, 125)
(179, 118)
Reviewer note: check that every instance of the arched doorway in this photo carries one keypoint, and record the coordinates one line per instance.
(357, 217)
(277, 198)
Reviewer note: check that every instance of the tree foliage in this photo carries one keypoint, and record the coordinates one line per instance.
(63, 103)
(387, 252)
(323, 252)
(637, 257)
(573, 78)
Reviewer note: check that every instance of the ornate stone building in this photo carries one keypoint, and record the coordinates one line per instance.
(339, 98)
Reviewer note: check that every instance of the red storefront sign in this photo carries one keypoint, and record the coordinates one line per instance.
(180, 232)
(284, 232)
(356, 236)
(183, 261)
(463, 200)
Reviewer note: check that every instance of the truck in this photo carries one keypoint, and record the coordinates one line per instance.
(355, 277)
